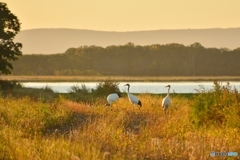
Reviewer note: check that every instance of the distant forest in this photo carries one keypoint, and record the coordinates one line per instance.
(134, 60)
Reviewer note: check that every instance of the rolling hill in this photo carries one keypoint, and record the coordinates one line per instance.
(51, 41)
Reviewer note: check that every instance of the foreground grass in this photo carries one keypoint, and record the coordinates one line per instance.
(62, 129)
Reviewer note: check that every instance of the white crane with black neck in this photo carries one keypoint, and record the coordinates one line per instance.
(166, 100)
(133, 99)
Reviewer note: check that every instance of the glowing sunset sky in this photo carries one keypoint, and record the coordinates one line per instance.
(126, 15)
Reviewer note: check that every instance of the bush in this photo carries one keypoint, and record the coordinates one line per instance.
(9, 85)
(15, 89)
(106, 87)
(80, 93)
(218, 106)
(84, 94)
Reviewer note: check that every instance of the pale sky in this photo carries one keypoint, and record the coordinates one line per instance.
(126, 15)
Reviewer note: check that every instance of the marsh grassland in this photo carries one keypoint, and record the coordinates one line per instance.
(65, 129)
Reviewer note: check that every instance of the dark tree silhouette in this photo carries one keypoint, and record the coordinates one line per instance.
(9, 50)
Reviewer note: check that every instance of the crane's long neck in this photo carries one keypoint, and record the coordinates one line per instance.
(128, 89)
(168, 90)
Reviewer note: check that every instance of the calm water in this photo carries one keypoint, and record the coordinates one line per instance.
(136, 87)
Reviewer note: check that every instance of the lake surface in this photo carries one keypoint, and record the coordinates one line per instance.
(136, 87)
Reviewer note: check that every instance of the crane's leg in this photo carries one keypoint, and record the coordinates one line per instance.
(140, 110)
(111, 107)
(167, 113)
(164, 110)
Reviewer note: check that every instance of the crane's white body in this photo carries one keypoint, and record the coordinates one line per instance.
(133, 99)
(166, 101)
(111, 98)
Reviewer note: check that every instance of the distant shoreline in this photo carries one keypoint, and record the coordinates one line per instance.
(117, 78)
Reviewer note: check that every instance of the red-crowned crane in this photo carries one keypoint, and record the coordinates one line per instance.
(166, 101)
(133, 99)
(111, 98)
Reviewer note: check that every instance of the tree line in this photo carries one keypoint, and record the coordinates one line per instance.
(134, 60)
(9, 28)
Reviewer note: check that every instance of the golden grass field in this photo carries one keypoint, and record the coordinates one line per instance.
(63, 129)
(117, 78)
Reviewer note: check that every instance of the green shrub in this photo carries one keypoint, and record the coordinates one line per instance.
(16, 89)
(79, 93)
(84, 94)
(106, 87)
(218, 106)
(76, 89)
(9, 85)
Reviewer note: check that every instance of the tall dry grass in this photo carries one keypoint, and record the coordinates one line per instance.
(63, 129)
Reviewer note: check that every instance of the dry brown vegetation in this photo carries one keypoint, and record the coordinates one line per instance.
(63, 129)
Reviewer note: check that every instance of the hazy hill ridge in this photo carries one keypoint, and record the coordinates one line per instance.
(49, 41)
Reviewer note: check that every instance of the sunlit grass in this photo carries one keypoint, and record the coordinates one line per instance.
(63, 129)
